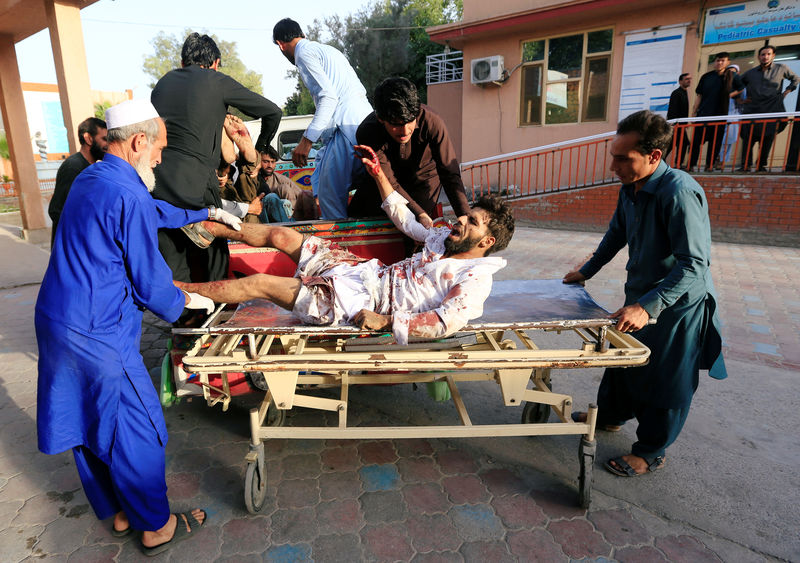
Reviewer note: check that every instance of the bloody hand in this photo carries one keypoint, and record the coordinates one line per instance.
(369, 158)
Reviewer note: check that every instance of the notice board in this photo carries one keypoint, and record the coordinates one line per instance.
(652, 62)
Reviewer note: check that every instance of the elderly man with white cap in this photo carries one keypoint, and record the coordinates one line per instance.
(95, 395)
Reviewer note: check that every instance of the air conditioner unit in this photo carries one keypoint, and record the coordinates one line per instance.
(487, 69)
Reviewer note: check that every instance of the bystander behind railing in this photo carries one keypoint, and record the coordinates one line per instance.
(584, 162)
(762, 142)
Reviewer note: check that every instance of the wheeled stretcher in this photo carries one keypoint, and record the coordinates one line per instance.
(285, 357)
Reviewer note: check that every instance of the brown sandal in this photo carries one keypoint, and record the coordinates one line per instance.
(622, 468)
(198, 234)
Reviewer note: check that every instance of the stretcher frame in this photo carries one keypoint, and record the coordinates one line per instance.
(292, 356)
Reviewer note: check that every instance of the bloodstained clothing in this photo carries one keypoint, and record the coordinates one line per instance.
(427, 295)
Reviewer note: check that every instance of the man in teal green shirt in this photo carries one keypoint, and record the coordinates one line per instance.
(662, 216)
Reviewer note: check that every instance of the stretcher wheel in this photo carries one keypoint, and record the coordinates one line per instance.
(255, 487)
(586, 454)
(536, 413)
(275, 417)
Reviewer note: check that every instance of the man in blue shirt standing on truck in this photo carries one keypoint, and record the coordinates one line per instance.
(662, 216)
(342, 105)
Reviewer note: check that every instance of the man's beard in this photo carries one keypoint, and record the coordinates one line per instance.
(145, 171)
(458, 246)
(96, 152)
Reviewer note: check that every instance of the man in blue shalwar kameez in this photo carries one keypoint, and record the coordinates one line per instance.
(662, 216)
(95, 395)
(341, 105)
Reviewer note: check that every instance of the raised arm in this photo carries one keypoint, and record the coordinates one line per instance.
(395, 206)
(372, 134)
(236, 130)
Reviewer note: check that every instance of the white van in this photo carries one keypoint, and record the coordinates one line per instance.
(289, 133)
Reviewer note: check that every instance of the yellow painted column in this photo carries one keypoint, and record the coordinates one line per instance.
(19, 144)
(69, 55)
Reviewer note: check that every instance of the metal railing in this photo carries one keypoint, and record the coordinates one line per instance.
(763, 142)
(584, 162)
(551, 168)
(444, 67)
(9, 189)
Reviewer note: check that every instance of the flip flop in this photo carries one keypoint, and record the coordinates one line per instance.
(624, 469)
(578, 415)
(180, 533)
(198, 234)
(120, 533)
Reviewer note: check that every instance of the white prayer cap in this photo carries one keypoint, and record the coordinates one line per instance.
(130, 112)
(734, 67)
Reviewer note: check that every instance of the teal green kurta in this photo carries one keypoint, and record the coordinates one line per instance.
(666, 228)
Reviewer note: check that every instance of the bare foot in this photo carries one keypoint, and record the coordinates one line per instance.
(167, 531)
(121, 522)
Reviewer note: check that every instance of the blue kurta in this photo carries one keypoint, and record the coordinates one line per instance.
(104, 270)
(666, 228)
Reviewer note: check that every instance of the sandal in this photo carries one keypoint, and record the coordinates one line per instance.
(623, 468)
(198, 234)
(181, 533)
(580, 416)
(120, 533)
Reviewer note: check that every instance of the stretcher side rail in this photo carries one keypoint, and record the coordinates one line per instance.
(635, 354)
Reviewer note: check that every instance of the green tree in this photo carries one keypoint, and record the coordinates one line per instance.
(100, 109)
(384, 39)
(167, 56)
(427, 13)
(4, 152)
(300, 102)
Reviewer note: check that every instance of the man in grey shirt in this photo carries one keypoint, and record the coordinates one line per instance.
(765, 94)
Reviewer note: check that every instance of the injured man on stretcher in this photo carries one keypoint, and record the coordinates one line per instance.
(432, 294)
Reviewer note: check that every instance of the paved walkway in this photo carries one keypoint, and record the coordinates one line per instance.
(729, 492)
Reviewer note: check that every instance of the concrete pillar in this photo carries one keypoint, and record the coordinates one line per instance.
(69, 55)
(15, 120)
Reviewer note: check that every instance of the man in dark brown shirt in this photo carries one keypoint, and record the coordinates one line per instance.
(415, 153)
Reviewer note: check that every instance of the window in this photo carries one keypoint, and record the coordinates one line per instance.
(573, 73)
(288, 140)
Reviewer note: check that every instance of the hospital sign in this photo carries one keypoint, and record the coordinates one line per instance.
(751, 20)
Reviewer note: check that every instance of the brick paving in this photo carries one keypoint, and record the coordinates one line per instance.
(377, 500)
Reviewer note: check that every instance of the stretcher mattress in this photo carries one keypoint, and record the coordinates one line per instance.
(513, 304)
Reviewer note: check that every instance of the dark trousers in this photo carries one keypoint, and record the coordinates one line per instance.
(761, 133)
(681, 146)
(793, 158)
(658, 427)
(189, 262)
(711, 133)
